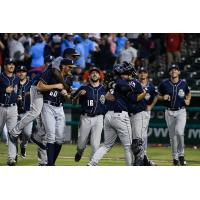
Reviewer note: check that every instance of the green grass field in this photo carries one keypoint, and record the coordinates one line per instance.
(160, 155)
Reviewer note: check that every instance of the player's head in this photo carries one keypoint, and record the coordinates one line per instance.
(66, 66)
(21, 72)
(174, 71)
(94, 74)
(128, 71)
(9, 66)
(142, 73)
(71, 54)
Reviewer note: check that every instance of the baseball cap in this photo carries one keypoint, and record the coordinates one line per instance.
(21, 68)
(70, 51)
(66, 61)
(48, 59)
(70, 34)
(142, 69)
(174, 66)
(9, 61)
(94, 69)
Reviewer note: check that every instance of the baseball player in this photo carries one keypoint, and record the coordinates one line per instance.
(23, 104)
(8, 105)
(150, 100)
(92, 101)
(116, 122)
(176, 96)
(53, 116)
(35, 108)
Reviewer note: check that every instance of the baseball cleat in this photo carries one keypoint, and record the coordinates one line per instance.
(182, 161)
(34, 140)
(41, 164)
(23, 152)
(11, 163)
(77, 157)
(175, 162)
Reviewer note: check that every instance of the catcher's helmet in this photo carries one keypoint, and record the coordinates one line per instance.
(129, 68)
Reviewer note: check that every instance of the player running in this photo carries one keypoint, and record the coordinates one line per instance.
(176, 95)
(92, 101)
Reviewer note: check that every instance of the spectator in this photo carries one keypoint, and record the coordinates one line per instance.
(173, 43)
(16, 48)
(67, 42)
(37, 52)
(144, 51)
(47, 48)
(105, 58)
(128, 54)
(56, 44)
(111, 41)
(88, 47)
(81, 51)
(2, 47)
(120, 42)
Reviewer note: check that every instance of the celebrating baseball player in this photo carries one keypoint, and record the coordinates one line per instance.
(116, 122)
(92, 101)
(8, 105)
(35, 108)
(176, 96)
(53, 116)
(23, 104)
(150, 100)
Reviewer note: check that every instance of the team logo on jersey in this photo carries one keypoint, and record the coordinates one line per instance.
(181, 93)
(147, 96)
(132, 84)
(102, 99)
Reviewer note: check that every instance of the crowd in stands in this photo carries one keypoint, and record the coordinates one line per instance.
(156, 52)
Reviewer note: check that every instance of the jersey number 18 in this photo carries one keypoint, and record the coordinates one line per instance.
(90, 102)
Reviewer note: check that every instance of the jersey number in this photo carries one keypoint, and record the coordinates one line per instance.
(90, 102)
(53, 93)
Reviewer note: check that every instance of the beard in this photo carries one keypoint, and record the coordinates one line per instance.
(94, 80)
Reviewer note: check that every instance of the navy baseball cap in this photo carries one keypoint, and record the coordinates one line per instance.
(66, 61)
(71, 51)
(94, 69)
(142, 69)
(9, 61)
(174, 66)
(21, 68)
(48, 59)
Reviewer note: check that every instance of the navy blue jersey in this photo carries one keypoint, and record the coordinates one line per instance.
(121, 91)
(5, 81)
(54, 95)
(177, 92)
(93, 102)
(134, 106)
(24, 92)
(151, 93)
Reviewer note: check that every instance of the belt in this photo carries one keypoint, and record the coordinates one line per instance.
(91, 115)
(53, 104)
(175, 109)
(7, 105)
(117, 111)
